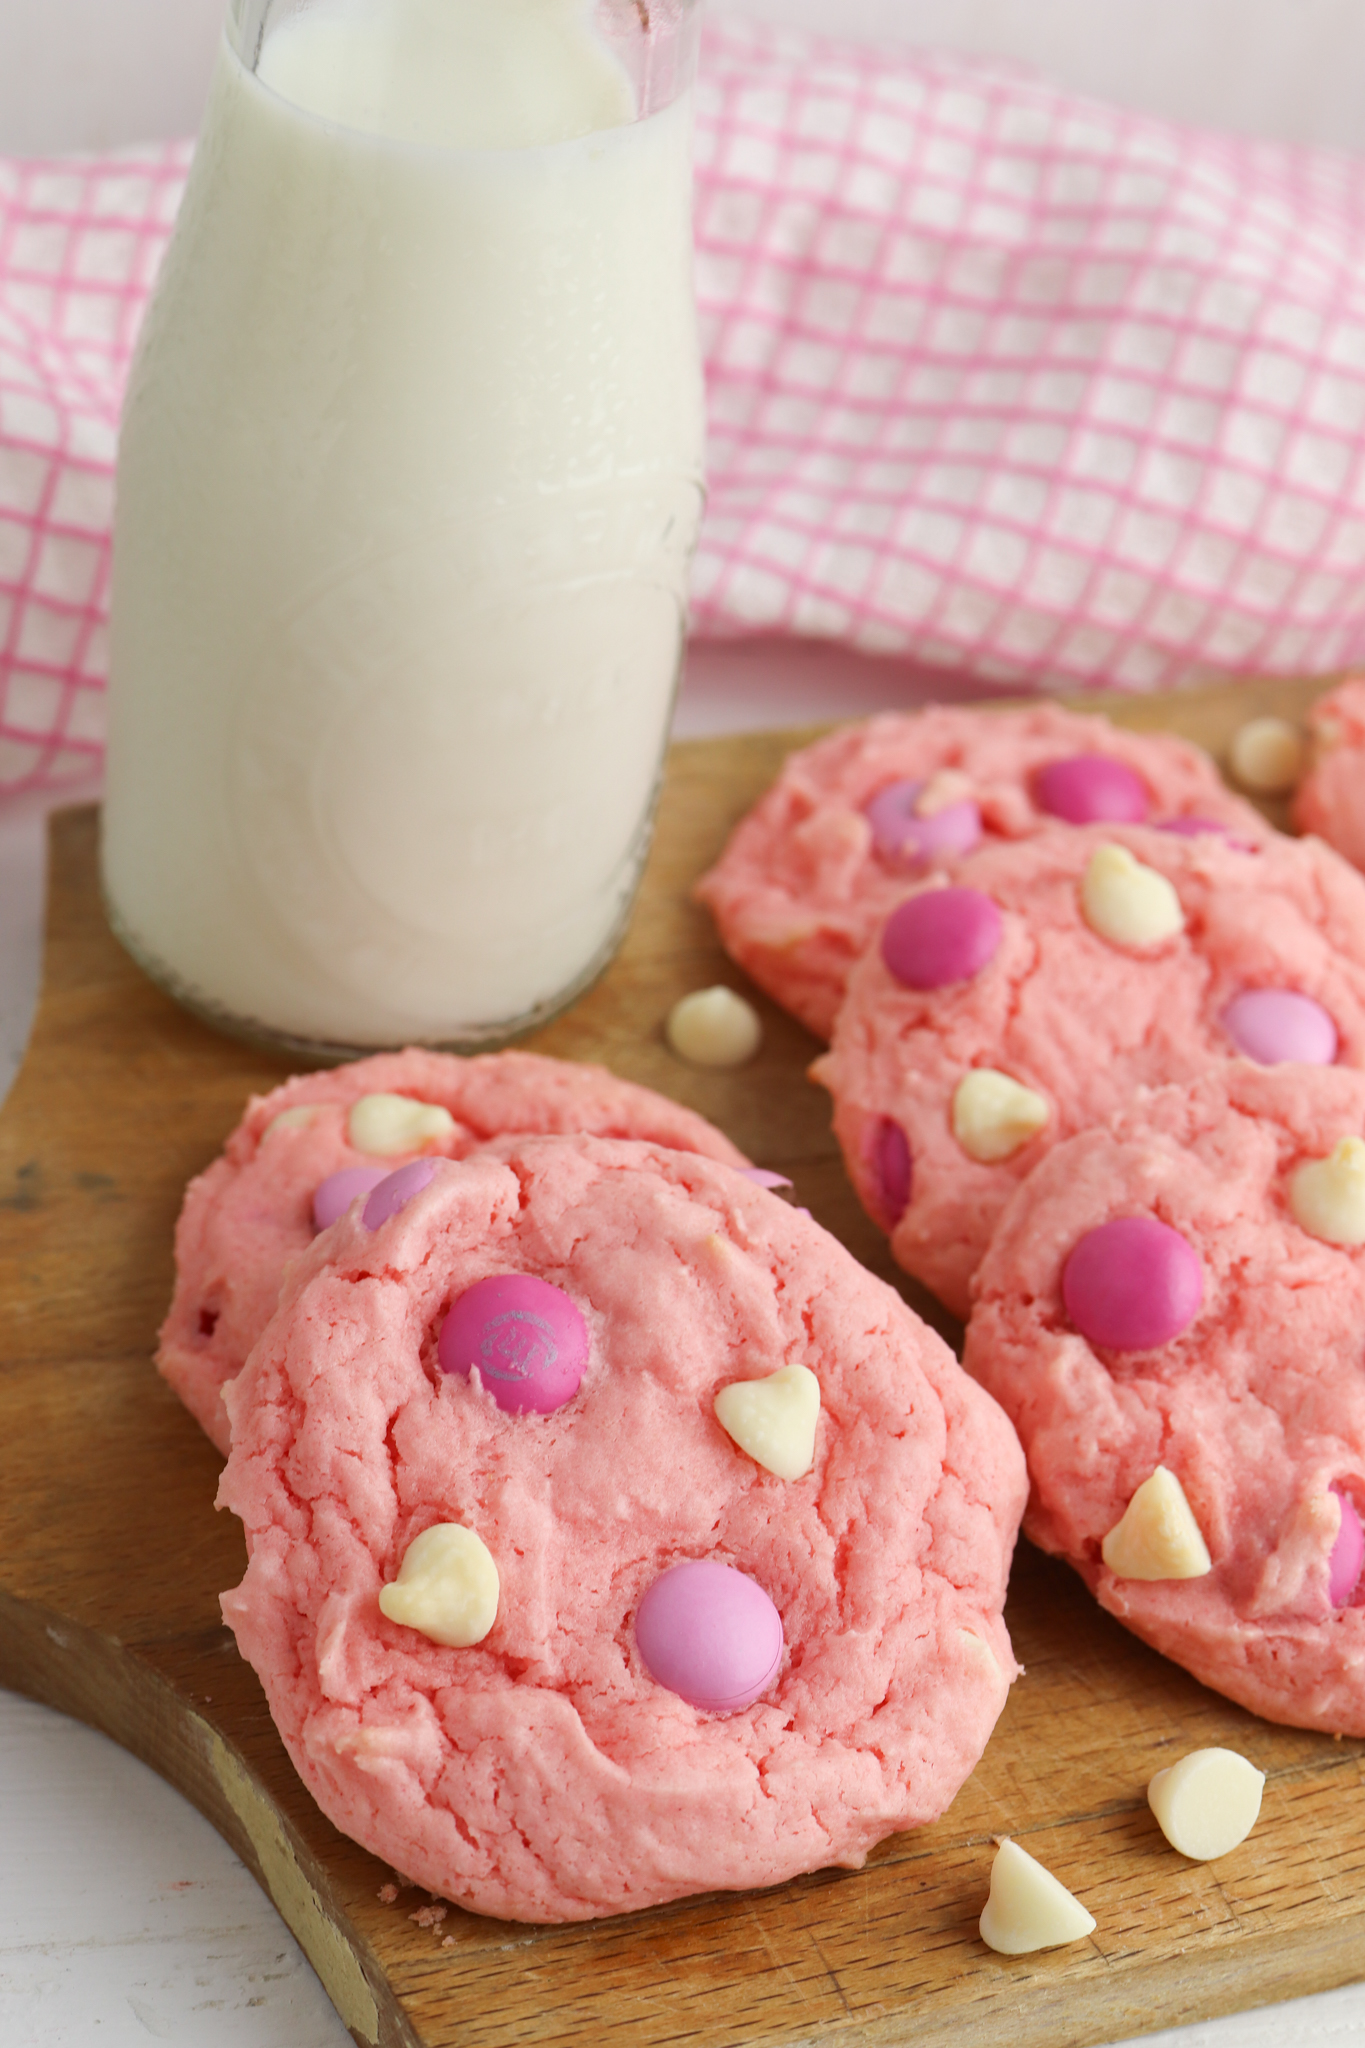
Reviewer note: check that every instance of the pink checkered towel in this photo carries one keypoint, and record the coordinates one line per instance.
(1000, 378)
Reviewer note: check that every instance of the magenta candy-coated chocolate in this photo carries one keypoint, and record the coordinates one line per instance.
(527, 1338)
(333, 1197)
(1195, 828)
(1348, 1552)
(1271, 1025)
(1092, 789)
(887, 1152)
(763, 1178)
(397, 1189)
(710, 1634)
(1132, 1284)
(899, 833)
(941, 936)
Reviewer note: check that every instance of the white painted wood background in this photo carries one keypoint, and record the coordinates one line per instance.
(123, 1916)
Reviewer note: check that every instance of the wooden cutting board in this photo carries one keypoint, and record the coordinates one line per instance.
(112, 1558)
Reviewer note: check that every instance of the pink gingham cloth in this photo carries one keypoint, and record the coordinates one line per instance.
(1000, 379)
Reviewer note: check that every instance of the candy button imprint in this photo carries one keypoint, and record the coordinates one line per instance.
(710, 1634)
(447, 1587)
(1092, 789)
(1327, 1196)
(774, 1419)
(714, 1027)
(387, 1125)
(995, 1116)
(1132, 1283)
(1270, 1025)
(1126, 902)
(333, 1197)
(941, 936)
(526, 1336)
(1028, 1907)
(1207, 1803)
(1157, 1536)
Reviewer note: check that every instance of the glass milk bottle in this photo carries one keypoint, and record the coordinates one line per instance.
(409, 479)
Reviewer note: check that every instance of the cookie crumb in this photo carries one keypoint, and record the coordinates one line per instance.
(428, 1916)
(388, 1894)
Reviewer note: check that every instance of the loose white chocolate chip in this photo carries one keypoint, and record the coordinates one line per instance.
(386, 1125)
(1327, 1196)
(993, 1116)
(1028, 1907)
(1207, 1803)
(447, 1587)
(1158, 1537)
(296, 1119)
(1266, 756)
(774, 1419)
(1126, 902)
(714, 1027)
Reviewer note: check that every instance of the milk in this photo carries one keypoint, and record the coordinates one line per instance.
(408, 482)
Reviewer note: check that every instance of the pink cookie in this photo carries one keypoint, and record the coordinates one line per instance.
(698, 1674)
(1250, 1394)
(252, 1211)
(1331, 798)
(1270, 963)
(809, 875)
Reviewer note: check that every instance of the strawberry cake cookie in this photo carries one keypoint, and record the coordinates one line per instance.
(1331, 798)
(1025, 998)
(302, 1154)
(1173, 1314)
(613, 1535)
(809, 875)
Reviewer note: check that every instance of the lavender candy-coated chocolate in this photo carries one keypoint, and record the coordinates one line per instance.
(1348, 1552)
(1271, 1025)
(527, 1338)
(397, 1189)
(1132, 1284)
(900, 834)
(1091, 789)
(763, 1177)
(941, 936)
(333, 1197)
(710, 1634)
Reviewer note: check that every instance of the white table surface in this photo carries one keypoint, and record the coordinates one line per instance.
(124, 1917)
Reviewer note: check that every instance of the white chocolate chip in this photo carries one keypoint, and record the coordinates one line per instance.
(714, 1027)
(1207, 1803)
(447, 1587)
(1266, 755)
(993, 1116)
(386, 1125)
(296, 1119)
(1327, 1196)
(1127, 902)
(1158, 1537)
(774, 1419)
(949, 786)
(1028, 1907)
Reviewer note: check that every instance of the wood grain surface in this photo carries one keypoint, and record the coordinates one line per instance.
(112, 1558)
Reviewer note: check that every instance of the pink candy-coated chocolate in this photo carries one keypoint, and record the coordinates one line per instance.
(1348, 1552)
(887, 1152)
(397, 1189)
(1274, 1024)
(941, 936)
(710, 1634)
(1092, 789)
(1132, 1284)
(762, 1177)
(901, 835)
(333, 1197)
(527, 1338)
